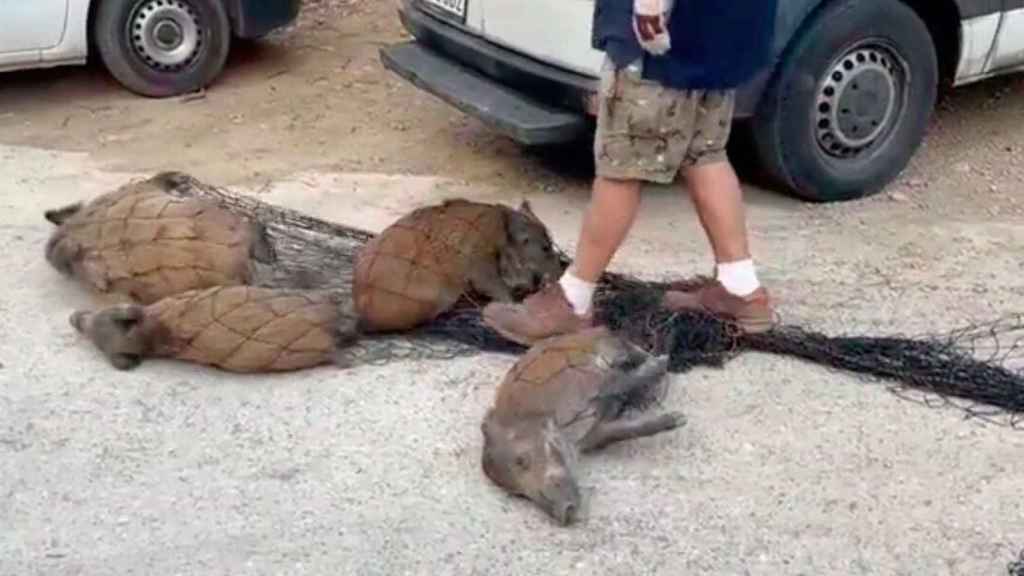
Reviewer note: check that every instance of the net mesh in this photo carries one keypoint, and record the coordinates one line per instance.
(578, 377)
(143, 242)
(249, 329)
(419, 266)
(1016, 567)
(977, 367)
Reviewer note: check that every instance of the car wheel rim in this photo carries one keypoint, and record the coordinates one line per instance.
(858, 100)
(166, 34)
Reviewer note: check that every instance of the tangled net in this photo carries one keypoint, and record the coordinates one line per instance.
(977, 368)
(970, 368)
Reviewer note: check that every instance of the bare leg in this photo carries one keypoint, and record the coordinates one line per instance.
(718, 198)
(612, 210)
(716, 193)
(606, 433)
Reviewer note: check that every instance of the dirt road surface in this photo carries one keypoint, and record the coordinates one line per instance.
(784, 468)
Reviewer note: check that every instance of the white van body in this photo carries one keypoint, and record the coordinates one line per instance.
(151, 47)
(42, 33)
(528, 69)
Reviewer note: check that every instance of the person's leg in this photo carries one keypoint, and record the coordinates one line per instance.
(565, 306)
(629, 148)
(613, 207)
(718, 198)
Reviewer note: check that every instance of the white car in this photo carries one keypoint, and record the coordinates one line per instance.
(153, 47)
(836, 117)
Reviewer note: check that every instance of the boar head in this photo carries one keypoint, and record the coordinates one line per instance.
(120, 332)
(528, 258)
(532, 459)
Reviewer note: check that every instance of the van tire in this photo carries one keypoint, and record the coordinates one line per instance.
(857, 68)
(187, 57)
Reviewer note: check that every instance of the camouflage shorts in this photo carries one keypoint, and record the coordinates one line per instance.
(648, 132)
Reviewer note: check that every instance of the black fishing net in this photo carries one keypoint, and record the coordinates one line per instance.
(1016, 567)
(978, 368)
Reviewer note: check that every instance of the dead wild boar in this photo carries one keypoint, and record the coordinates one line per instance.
(144, 242)
(421, 265)
(568, 394)
(235, 328)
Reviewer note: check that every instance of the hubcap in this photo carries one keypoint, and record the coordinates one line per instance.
(166, 33)
(858, 100)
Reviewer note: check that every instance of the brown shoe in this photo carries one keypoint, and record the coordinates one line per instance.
(541, 315)
(753, 313)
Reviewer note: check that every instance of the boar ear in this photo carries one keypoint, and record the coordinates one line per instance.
(170, 180)
(261, 249)
(57, 216)
(510, 222)
(526, 208)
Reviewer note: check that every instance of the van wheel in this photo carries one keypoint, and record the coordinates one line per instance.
(850, 102)
(162, 48)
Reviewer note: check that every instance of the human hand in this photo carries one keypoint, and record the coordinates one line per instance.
(650, 25)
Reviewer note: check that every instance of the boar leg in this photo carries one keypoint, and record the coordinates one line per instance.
(607, 432)
(643, 378)
(486, 280)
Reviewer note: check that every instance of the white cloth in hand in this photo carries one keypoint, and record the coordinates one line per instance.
(660, 9)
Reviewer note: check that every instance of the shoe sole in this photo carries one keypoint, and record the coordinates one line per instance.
(756, 327)
(513, 337)
(528, 341)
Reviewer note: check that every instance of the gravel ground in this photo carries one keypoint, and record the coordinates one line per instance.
(783, 468)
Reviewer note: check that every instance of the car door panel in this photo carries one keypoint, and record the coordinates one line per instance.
(1008, 51)
(31, 24)
(978, 34)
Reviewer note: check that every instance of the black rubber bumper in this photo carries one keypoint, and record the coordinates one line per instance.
(511, 112)
(531, 101)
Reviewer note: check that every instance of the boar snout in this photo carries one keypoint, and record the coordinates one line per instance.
(561, 499)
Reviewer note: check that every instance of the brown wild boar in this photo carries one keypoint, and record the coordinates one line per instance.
(235, 328)
(568, 394)
(421, 265)
(144, 242)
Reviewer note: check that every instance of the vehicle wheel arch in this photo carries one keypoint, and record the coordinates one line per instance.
(939, 23)
(943, 18)
(231, 6)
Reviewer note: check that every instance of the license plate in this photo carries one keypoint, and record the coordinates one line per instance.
(455, 8)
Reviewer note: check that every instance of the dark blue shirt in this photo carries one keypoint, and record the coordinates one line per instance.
(716, 44)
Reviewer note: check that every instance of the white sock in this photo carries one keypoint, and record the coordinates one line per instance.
(579, 293)
(739, 278)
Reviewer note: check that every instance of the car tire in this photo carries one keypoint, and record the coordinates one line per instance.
(161, 48)
(850, 102)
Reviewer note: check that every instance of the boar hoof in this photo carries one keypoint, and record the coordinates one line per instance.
(673, 420)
